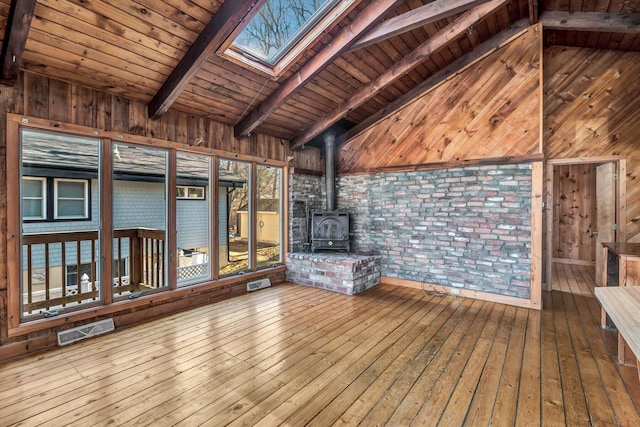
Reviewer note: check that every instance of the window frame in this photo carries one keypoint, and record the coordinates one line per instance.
(295, 49)
(43, 198)
(280, 213)
(186, 189)
(19, 323)
(85, 199)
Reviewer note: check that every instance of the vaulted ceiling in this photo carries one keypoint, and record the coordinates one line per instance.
(150, 50)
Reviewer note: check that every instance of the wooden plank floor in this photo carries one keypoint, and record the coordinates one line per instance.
(297, 356)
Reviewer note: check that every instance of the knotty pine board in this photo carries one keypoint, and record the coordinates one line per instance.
(591, 99)
(574, 212)
(490, 110)
(38, 96)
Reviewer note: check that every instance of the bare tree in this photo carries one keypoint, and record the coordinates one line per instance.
(268, 182)
(276, 22)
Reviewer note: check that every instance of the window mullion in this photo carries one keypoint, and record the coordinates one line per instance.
(253, 215)
(105, 234)
(214, 219)
(172, 234)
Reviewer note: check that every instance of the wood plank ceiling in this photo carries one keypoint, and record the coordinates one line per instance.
(131, 48)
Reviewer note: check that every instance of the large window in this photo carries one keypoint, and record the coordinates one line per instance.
(193, 218)
(234, 178)
(140, 212)
(56, 172)
(268, 215)
(102, 220)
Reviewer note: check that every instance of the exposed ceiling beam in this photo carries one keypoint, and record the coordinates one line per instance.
(533, 12)
(15, 39)
(226, 19)
(450, 71)
(362, 23)
(591, 21)
(400, 68)
(416, 18)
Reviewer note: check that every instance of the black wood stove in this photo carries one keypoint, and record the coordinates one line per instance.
(330, 228)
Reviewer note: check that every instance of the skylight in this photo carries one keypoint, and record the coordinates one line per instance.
(278, 26)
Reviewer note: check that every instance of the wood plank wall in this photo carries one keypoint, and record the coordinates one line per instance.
(38, 96)
(574, 212)
(592, 99)
(491, 110)
(41, 97)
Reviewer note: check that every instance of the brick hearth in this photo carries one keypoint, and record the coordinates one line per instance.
(338, 272)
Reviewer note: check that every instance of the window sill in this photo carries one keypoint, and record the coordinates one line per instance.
(142, 302)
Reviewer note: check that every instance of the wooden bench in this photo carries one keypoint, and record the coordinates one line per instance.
(620, 267)
(622, 304)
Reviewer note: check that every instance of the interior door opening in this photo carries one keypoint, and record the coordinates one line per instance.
(584, 209)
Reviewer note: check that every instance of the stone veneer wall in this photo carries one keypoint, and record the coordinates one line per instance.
(465, 227)
(305, 191)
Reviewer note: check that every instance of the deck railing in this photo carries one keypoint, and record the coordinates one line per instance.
(144, 248)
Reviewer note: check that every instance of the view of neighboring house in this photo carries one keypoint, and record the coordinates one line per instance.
(60, 194)
(267, 228)
(268, 211)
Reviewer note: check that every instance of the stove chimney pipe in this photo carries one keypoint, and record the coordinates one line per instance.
(330, 169)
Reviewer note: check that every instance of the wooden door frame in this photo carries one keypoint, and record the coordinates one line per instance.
(621, 202)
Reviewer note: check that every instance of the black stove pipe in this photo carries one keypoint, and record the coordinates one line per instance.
(330, 169)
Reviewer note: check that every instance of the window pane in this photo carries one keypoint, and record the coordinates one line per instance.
(32, 188)
(278, 25)
(193, 219)
(46, 286)
(268, 220)
(32, 208)
(139, 219)
(233, 177)
(196, 193)
(70, 189)
(181, 192)
(70, 208)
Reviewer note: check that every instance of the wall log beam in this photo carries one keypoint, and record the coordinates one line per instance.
(416, 18)
(426, 49)
(447, 73)
(343, 41)
(226, 19)
(591, 21)
(15, 39)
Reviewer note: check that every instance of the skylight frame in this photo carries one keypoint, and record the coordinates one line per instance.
(338, 9)
(272, 60)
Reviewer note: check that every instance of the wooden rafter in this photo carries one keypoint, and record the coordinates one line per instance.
(591, 21)
(441, 76)
(400, 68)
(423, 15)
(15, 39)
(533, 12)
(340, 44)
(226, 19)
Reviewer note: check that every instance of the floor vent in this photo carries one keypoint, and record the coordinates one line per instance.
(85, 331)
(258, 284)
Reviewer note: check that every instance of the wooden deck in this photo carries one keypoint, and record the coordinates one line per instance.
(296, 355)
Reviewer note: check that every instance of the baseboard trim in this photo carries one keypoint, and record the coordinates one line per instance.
(467, 293)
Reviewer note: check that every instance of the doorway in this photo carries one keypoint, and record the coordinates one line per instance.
(585, 207)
